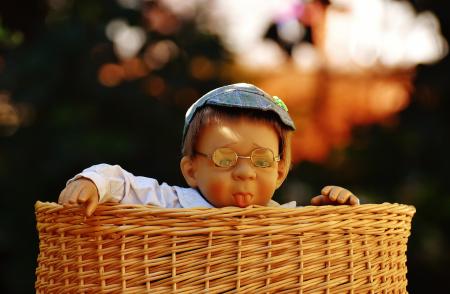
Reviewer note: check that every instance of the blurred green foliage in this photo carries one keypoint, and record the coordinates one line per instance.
(70, 121)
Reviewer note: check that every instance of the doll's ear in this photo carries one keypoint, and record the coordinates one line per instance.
(282, 172)
(188, 169)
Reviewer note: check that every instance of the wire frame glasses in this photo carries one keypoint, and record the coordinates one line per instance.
(227, 157)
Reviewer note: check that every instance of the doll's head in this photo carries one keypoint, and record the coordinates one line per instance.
(236, 145)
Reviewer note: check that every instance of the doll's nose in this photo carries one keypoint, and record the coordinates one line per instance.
(244, 170)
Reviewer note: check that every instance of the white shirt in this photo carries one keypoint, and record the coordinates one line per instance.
(116, 184)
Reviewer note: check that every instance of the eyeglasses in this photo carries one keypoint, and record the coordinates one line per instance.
(226, 157)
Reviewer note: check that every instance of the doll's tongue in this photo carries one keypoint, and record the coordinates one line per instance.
(242, 199)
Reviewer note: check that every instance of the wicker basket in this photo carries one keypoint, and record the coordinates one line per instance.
(143, 249)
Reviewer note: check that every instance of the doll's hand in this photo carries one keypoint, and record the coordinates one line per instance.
(334, 195)
(80, 192)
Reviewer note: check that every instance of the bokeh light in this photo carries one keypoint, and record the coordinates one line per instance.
(202, 68)
(111, 75)
(9, 116)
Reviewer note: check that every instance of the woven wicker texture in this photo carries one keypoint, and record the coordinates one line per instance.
(143, 249)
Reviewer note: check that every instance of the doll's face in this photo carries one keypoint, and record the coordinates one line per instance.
(243, 184)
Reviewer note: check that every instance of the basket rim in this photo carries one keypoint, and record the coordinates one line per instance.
(125, 219)
(106, 208)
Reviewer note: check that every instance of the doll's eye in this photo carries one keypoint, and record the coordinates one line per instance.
(262, 157)
(262, 163)
(225, 163)
(224, 157)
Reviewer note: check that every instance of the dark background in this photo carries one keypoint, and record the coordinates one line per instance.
(70, 121)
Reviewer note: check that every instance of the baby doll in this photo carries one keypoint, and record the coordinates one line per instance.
(236, 152)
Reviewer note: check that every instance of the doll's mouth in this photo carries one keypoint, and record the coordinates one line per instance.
(242, 199)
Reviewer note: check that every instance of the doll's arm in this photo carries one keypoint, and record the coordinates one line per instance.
(334, 195)
(113, 183)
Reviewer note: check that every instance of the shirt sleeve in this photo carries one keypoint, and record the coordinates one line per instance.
(273, 203)
(118, 185)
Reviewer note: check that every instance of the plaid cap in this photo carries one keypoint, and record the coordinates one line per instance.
(240, 95)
